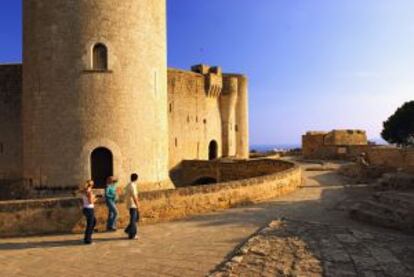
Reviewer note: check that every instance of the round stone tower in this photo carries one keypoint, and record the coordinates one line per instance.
(95, 91)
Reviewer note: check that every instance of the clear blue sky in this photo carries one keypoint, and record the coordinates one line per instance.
(313, 65)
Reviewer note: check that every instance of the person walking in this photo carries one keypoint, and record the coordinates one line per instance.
(88, 199)
(131, 194)
(110, 199)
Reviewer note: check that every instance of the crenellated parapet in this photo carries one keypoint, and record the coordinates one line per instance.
(213, 79)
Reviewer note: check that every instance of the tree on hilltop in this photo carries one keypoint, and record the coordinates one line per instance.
(399, 127)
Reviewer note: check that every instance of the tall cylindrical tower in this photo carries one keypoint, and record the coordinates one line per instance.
(228, 102)
(242, 118)
(95, 91)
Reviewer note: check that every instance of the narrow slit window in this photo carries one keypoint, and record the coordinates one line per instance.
(100, 57)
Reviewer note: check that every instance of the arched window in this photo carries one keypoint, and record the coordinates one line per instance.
(100, 57)
(213, 150)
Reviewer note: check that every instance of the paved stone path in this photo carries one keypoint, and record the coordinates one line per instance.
(297, 248)
(190, 247)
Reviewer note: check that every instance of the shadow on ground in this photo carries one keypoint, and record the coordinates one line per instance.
(52, 244)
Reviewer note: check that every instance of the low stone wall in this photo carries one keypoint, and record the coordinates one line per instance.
(392, 157)
(22, 189)
(33, 217)
(383, 156)
(224, 171)
(337, 152)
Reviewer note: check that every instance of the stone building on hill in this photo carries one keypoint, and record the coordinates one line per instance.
(94, 97)
(336, 144)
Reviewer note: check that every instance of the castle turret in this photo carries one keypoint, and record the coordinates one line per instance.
(242, 118)
(228, 101)
(95, 91)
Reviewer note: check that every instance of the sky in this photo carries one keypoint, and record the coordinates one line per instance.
(312, 64)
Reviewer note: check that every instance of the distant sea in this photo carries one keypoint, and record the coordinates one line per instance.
(270, 147)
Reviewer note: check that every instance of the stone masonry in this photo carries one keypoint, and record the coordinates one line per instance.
(294, 248)
(63, 120)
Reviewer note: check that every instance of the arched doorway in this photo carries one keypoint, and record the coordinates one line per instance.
(101, 166)
(213, 150)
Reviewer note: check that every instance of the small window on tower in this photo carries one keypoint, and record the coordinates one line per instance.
(1, 148)
(100, 57)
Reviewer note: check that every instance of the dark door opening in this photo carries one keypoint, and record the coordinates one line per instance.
(101, 166)
(213, 150)
(204, 181)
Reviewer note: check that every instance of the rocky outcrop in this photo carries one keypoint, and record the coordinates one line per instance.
(293, 248)
(389, 209)
(396, 181)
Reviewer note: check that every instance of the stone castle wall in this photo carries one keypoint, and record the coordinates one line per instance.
(34, 217)
(391, 157)
(337, 144)
(348, 145)
(346, 137)
(194, 117)
(10, 121)
(70, 108)
(203, 107)
(194, 120)
(146, 117)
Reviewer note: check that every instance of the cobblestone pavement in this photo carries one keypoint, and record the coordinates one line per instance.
(297, 248)
(190, 247)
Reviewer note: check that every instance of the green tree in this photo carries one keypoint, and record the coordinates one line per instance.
(399, 128)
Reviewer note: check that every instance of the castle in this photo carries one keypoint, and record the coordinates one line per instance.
(336, 144)
(94, 97)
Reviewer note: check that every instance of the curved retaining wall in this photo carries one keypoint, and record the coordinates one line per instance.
(32, 217)
(225, 171)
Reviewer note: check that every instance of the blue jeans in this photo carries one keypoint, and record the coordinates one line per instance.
(90, 224)
(112, 215)
(132, 229)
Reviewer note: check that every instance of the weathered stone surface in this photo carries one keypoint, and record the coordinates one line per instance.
(396, 181)
(390, 209)
(281, 249)
(334, 144)
(10, 121)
